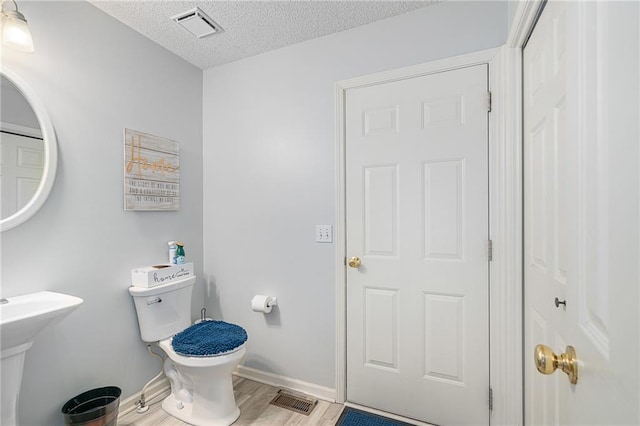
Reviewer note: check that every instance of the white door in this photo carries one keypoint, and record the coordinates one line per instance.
(417, 219)
(581, 212)
(21, 165)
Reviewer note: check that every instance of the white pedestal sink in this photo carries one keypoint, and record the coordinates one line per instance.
(21, 319)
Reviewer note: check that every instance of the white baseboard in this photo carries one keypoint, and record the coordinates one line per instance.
(153, 391)
(320, 392)
(162, 386)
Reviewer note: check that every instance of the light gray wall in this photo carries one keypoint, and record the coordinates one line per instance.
(96, 77)
(512, 6)
(269, 174)
(14, 108)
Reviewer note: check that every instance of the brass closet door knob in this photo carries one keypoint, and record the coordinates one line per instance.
(547, 362)
(354, 262)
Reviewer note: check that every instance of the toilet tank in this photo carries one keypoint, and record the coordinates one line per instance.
(163, 310)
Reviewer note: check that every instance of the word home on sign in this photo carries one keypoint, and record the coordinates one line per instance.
(151, 172)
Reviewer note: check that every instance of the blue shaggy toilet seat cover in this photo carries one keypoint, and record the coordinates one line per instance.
(209, 338)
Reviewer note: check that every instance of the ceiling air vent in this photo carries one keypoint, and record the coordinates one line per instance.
(197, 23)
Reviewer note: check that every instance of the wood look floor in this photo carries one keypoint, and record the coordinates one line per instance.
(253, 399)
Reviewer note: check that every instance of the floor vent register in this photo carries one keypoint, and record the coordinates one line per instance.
(295, 403)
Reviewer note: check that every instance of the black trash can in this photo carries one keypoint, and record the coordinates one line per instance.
(96, 407)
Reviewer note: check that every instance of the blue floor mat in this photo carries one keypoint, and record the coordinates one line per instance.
(352, 417)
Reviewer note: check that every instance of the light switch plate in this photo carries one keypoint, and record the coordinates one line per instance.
(324, 234)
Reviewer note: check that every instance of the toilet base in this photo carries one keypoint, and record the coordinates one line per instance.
(171, 406)
(201, 388)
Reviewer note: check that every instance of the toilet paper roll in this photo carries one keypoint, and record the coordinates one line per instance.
(261, 303)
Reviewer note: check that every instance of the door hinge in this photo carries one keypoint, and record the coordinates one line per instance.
(490, 250)
(490, 399)
(488, 101)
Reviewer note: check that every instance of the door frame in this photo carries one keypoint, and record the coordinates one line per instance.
(505, 218)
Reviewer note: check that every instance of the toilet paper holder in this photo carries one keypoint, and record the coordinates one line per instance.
(264, 304)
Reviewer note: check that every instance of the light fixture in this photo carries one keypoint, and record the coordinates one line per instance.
(15, 32)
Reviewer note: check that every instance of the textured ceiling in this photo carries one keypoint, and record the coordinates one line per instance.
(250, 27)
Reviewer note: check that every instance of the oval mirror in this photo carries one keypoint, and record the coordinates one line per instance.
(28, 151)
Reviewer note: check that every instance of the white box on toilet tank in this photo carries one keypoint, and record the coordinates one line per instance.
(151, 276)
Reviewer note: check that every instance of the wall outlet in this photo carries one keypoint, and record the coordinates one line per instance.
(324, 234)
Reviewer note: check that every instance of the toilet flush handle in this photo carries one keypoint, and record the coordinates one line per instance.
(153, 301)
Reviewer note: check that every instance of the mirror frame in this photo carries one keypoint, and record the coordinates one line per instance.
(50, 154)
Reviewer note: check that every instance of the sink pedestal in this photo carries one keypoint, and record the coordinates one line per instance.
(21, 319)
(11, 367)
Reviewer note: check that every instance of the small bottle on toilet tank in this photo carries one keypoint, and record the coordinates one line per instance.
(172, 252)
(179, 253)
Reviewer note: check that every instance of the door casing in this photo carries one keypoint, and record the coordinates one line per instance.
(505, 221)
(505, 207)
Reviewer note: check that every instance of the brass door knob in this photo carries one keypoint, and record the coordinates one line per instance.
(354, 262)
(547, 362)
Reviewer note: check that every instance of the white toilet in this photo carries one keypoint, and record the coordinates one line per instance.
(201, 380)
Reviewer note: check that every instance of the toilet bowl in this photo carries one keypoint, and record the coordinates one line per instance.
(201, 384)
(201, 387)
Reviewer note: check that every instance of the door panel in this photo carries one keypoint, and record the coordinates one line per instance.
(545, 217)
(417, 217)
(21, 165)
(581, 211)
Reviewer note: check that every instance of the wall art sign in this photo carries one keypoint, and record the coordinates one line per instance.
(151, 172)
